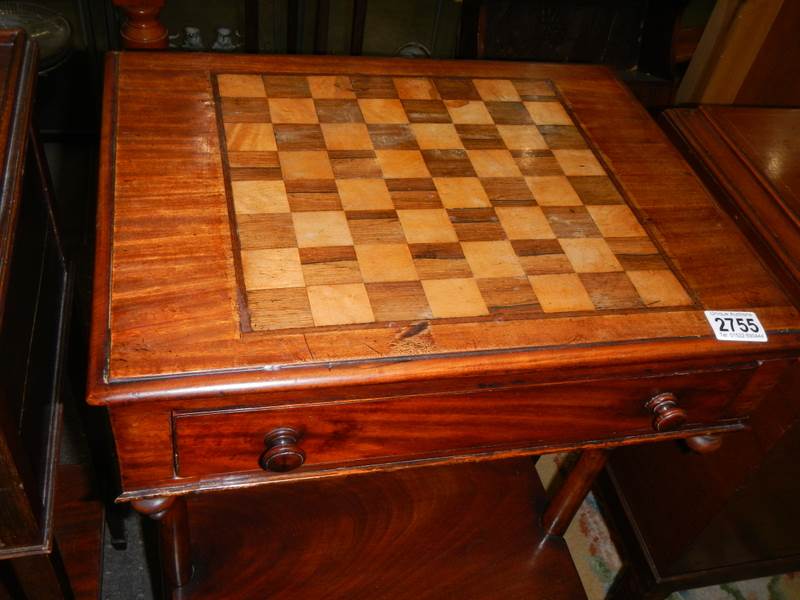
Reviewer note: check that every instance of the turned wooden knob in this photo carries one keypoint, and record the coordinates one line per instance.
(668, 415)
(282, 453)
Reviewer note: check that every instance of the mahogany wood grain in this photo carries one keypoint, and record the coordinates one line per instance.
(376, 431)
(468, 531)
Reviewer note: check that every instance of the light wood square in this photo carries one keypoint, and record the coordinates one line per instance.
(423, 226)
(241, 86)
(496, 90)
(415, 88)
(346, 136)
(578, 162)
(253, 197)
(522, 137)
(553, 190)
(292, 110)
(382, 110)
(340, 304)
(659, 288)
(386, 262)
(436, 136)
(398, 301)
(279, 309)
(330, 86)
(454, 298)
(322, 228)
(524, 223)
(364, 194)
(461, 192)
(548, 113)
(402, 164)
(561, 293)
(616, 220)
(494, 163)
(590, 255)
(492, 259)
(468, 112)
(251, 137)
(312, 164)
(272, 268)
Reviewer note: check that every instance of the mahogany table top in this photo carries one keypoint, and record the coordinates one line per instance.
(379, 217)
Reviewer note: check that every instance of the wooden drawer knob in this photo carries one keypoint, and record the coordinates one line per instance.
(704, 444)
(668, 415)
(282, 453)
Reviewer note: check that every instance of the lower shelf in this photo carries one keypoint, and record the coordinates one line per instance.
(468, 531)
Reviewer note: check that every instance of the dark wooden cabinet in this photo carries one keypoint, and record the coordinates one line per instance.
(341, 302)
(34, 310)
(735, 509)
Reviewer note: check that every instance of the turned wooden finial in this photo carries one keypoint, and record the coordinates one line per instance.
(142, 30)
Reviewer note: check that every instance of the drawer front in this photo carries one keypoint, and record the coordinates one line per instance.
(395, 429)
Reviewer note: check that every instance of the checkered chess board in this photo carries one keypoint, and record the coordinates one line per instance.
(362, 199)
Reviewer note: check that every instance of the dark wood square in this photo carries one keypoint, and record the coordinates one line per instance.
(536, 162)
(509, 295)
(354, 164)
(398, 301)
(371, 86)
(476, 224)
(480, 137)
(245, 110)
(394, 137)
(509, 113)
(456, 89)
(508, 191)
(562, 137)
(440, 261)
(286, 86)
(571, 222)
(262, 231)
(426, 111)
(375, 227)
(298, 137)
(448, 163)
(611, 291)
(413, 193)
(597, 189)
(338, 111)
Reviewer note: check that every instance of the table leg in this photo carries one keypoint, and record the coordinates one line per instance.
(562, 508)
(173, 535)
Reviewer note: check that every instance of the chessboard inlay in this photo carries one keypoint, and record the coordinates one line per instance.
(371, 199)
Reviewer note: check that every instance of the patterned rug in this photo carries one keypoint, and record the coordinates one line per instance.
(598, 562)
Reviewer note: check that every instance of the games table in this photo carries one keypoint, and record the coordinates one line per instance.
(340, 303)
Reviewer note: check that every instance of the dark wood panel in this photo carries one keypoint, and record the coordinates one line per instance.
(431, 533)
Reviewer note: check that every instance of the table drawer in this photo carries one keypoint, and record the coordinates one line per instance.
(388, 430)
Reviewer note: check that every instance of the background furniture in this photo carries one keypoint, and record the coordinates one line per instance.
(269, 387)
(742, 498)
(35, 303)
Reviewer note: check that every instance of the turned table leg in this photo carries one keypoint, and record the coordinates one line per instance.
(562, 508)
(142, 30)
(173, 535)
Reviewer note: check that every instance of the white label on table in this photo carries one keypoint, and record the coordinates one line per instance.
(736, 326)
